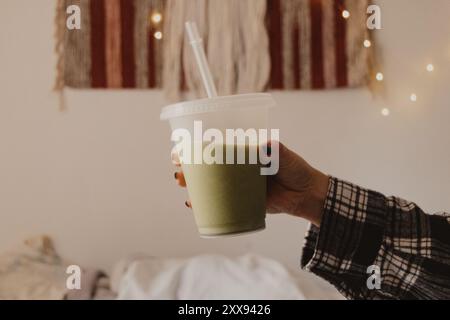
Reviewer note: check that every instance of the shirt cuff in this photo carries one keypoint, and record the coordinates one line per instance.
(349, 237)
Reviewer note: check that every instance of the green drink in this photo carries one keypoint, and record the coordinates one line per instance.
(227, 199)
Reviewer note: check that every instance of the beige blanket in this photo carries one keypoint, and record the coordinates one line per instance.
(35, 271)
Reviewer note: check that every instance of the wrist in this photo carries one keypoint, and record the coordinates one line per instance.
(315, 201)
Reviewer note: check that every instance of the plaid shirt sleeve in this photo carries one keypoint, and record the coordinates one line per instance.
(362, 228)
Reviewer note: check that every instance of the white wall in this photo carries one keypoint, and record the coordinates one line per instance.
(98, 178)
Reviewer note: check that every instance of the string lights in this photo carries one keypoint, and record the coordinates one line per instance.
(155, 21)
(156, 17)
(379, 75)
(158, 35)
(345, 14)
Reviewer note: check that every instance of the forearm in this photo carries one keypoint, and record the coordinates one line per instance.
(360, 228)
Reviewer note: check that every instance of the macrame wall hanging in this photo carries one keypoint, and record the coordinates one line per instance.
(252, 45)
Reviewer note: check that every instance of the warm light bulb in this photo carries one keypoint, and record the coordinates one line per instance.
(156, 17)
(345, 14)
(379, 76)
(385, 112)
(158, 35)
(367, 43)
(413, 97)
(430, 68)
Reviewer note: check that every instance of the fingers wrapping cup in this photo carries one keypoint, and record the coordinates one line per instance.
(179, 176)
(175, 158)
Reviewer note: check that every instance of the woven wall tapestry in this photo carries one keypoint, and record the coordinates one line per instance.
(252, 45)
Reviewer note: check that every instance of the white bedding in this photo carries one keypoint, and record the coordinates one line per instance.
(212, 277)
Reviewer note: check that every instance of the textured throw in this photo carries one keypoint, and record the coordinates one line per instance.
(251, 45)
(235, 40)
(313, 47)
(115, 47)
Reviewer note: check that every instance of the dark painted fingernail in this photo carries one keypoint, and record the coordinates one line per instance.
(176, 175)
(186, 203)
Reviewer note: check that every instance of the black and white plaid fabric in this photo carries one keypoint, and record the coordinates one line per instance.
(362, 228)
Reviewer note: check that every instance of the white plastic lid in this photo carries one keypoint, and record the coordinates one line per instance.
(187, 108)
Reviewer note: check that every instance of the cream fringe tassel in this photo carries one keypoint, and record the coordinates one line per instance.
(60, 31)
(234, 37)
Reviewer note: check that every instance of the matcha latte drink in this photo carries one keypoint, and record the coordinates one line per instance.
(217, 142)
(229, 198)
(227, 190)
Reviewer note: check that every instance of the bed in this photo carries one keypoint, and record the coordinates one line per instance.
(34, 270)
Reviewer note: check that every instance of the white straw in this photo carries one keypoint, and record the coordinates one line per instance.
(199, 52)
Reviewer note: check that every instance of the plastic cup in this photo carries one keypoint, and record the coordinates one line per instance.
(227, 199)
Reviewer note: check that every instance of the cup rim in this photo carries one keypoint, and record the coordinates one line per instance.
(187, 108)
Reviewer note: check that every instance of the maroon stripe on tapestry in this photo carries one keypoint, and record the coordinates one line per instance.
(151, 57)
(340, 44)
(98, 56)
(296, 43)
(317, 75)
(183, 81)
(275, 29)
(127, 43)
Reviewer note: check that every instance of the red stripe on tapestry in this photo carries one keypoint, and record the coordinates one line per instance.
(296, 43)
(317, 76)
(127, 44)
(98, 56)
(151, 56)
(340, 44)
(183, 81)
(275, 25)
(113, 47)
